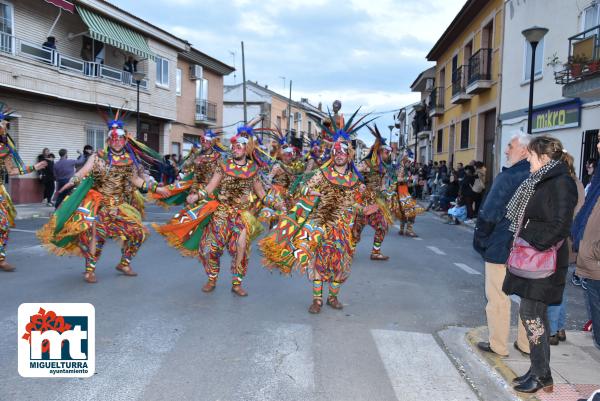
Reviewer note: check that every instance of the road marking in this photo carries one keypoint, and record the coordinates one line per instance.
(418, 238)
(23, 231)
(466, 268)
(516, 299)
(437, 250)
(418, 369)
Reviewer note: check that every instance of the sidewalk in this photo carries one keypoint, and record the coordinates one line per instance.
(575, 366)
(31, 210)
(424, 203)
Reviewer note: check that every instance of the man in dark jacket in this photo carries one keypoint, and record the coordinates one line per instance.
(493, 240)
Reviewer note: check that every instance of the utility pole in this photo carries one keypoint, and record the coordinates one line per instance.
(290, 113)
(244, 84)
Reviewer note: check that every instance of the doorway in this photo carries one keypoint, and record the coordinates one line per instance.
(588, 152)
(489, 140)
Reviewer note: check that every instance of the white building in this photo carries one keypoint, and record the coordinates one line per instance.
(574, 120)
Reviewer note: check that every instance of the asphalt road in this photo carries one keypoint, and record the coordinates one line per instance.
(160, 338)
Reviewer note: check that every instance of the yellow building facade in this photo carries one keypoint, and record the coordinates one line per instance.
(465, 99)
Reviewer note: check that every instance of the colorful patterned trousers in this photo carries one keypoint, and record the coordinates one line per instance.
(226, 229)
(4, 229)
(379, 224)
(116, 226)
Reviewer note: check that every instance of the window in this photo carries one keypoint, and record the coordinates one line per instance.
(95, 136)
(188, 142)
(464, 134)
(539, 60)
(202, 89)
(178, 82)
(6, 27)
(278, 122)
(176, 148)
(309, 127)
(440, 141)
(162, 71)
(590, 17)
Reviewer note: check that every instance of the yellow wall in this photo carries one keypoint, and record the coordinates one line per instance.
(479, 103)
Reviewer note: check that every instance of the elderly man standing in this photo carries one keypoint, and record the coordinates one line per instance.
(493, 241)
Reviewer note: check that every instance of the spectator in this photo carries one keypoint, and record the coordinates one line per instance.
(493, 239)
(47, 175)
(443, 169)
(130, 65)
(64, 169)
(50, 43)
(88, 150)
(460, 172)
(541, 211)
(87, 55)
(590, 168)
(557, 313)
(478, 186)
(451, 192)
(458, 212)
(586, 234)
(466, 190)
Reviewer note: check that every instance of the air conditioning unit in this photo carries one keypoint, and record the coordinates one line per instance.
(196, 72)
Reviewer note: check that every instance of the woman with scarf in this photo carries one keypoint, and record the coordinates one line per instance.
(586, 241)
(540, 212)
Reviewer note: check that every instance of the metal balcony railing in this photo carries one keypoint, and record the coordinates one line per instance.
(206, 111)
(436, 98)
(24, 49)
(459, 80)
(480, 66)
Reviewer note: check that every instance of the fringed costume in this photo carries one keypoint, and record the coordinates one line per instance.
(405, 207)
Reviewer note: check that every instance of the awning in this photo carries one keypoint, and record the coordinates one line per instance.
(64, 4)
(114, 34)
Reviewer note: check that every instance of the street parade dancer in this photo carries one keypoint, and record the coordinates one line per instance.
(316, 155)
(219, 215)
(316, 236)
(198, 167)
(405, 207)
(374, 169)
(105, 204)
(10, 164)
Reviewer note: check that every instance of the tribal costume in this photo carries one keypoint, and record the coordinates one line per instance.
(104, 205)
(316, 236)
(405, 207)
(199, 167)
(222, 218)
(374, 169)
(10, 164)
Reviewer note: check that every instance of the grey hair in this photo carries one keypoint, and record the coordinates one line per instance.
(522, 138)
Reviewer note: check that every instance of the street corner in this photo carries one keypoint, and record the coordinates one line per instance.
(575, 365)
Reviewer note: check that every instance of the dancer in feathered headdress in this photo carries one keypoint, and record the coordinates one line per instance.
(374, 168)
(220, 215)
(105, 203)
(316, 236)
(198, 167)
(404, 206)
(10, 164)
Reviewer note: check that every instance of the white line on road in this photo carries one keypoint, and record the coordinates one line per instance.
(418, 239)
(466, 268)
(418, 368)
(437, 250)
(516, 299)
(22, 231)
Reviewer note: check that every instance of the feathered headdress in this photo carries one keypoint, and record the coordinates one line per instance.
(254, 143)
(374, 155)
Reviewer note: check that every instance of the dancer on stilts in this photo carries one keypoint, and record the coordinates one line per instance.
(10, 164)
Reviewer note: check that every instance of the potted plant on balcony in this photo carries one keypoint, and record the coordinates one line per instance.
(576, 65)
(594, 66)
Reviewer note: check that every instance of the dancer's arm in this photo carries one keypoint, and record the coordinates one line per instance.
(13, 170)
(81, 174)
(203, 193)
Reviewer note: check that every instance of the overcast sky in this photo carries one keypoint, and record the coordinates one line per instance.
(363, 52)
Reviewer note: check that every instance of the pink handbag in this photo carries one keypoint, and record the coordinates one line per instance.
(528, 262)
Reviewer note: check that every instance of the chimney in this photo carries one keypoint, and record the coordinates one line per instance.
(320, 106)
(304, 100)
(266, 86)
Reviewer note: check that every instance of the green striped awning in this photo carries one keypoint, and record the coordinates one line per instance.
(114, 34)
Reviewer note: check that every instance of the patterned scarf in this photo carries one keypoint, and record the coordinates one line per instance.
(516, 207)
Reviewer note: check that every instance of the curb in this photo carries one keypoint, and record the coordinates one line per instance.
(424, 205)
(496, 362)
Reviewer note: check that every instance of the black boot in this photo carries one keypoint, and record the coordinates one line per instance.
(521, 379)
(533, 384)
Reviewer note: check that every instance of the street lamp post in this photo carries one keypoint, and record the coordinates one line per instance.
(138, 77)
(533, 35)
(391, 127)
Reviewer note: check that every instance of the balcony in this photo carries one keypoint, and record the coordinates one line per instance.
(436, 102)
(459, 85)
(479, 71)
(25, 50)
(206, 113)
(580, 77)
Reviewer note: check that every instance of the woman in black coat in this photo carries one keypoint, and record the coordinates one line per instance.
(544, 203)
